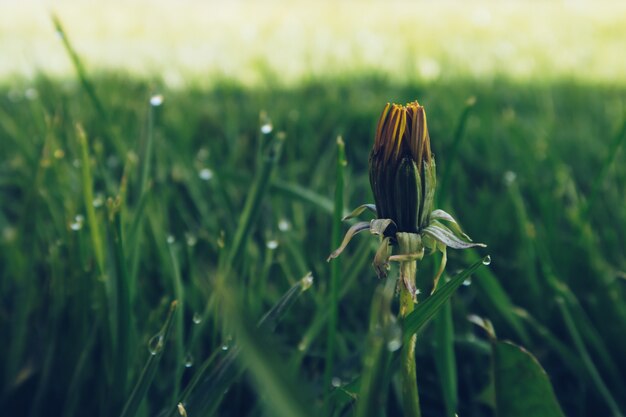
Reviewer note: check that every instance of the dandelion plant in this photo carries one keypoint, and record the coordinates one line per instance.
(403, 180)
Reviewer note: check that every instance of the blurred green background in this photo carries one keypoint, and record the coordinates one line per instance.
(160, 151)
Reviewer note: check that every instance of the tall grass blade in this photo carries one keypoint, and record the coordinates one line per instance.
(271, 154)
(206, 391)
(335, 271)
(427, 309)
(87, 183)
(373, 389)
(156, 348)
(445, 359)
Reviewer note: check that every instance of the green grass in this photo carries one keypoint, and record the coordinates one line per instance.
(536, 170)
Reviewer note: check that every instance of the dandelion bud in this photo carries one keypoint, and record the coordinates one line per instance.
(402, 169)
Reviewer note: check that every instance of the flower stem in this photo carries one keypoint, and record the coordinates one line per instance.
(409, 244)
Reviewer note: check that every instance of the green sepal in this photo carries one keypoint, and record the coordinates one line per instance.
(381, 259)
(430, 183)
(407, 195)
(444, 235)
(454, 226)
(380, 226)
(357, 211)
(358, 227)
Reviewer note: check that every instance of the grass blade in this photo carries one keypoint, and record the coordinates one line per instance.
(427, 309)
(335, 271)
(150, 368)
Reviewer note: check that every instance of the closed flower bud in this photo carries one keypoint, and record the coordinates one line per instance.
(402, 168)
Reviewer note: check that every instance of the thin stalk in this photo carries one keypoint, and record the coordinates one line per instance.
(407, 245)
(335, 271)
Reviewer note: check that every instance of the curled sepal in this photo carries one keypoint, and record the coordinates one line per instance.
(444, 235)
(430, 183)
(442, 215)
(381, 259)
(442, 267)
(359, 227)
(357, 211)
(380, 226)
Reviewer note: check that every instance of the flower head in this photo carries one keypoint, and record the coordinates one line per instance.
(402, 168)
(403, 179)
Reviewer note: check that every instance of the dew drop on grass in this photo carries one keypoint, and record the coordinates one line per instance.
(509, 177)
(77, 224)
(266, 128)
(394, 337)
(156, 100)
(335, 382)
(225, 346)
(155, 344)
(171, 239)
(31, 93)
(191, 239)
(98, 201)
(487, 260)
(283, 225)
(188, 360)
(197, 318)
(205, 174)
(467, 282)
(272, 244)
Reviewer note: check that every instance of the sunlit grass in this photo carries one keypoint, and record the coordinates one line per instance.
(291, 41)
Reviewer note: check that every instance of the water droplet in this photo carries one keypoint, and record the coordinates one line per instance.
(302, 346)
(59, 35)
(272, 244)
(335, 382)
(191, 239)
(9, 233)
(509, 177)
(266, 128)
(205, 174)
(467, 282)
(393, 336)
(418, 291)
(98, 201)
(283, 225)
(155, 344)
(487, 260)
(77, 224)
(156, 100)
(188, 360)
(307, 281)
(171, 239)
(31, 94)
(225, 346)
(197, 318)
(59, 154)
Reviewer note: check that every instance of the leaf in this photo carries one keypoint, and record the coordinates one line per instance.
(425, 310)
(357, 211)
(357, 228)
(522, 387)
(448, 238)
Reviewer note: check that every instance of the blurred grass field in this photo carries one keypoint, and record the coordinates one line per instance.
(175, 169)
